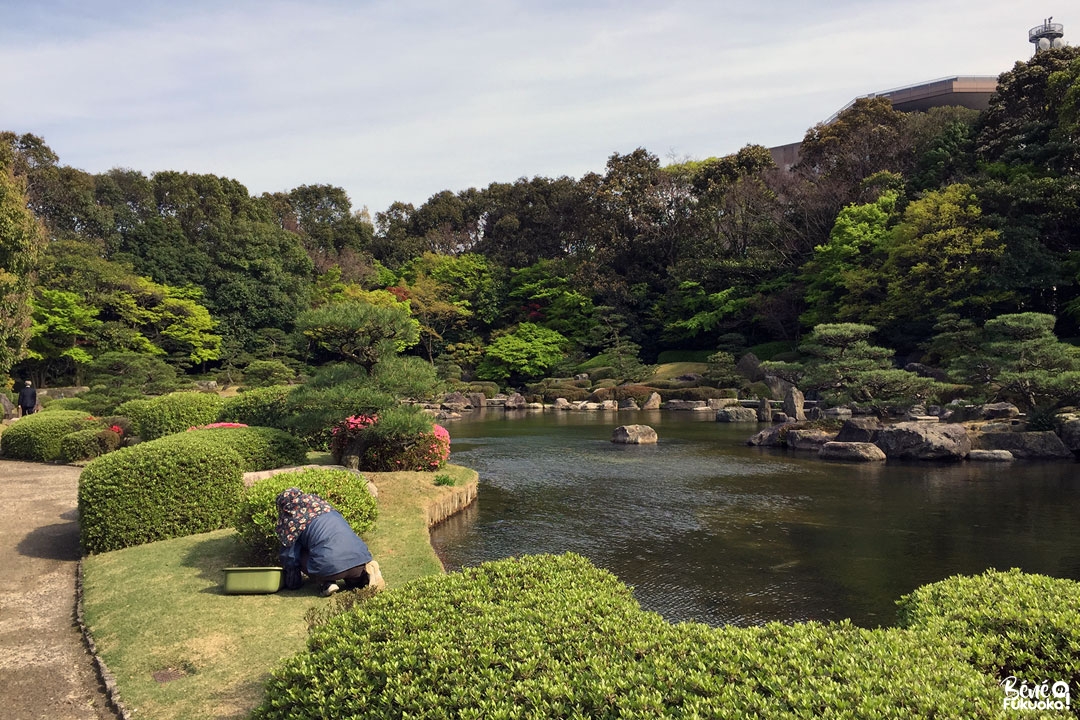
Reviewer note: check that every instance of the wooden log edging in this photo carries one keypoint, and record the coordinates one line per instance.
(451, 503)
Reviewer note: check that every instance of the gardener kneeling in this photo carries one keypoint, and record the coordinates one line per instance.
(319, 541)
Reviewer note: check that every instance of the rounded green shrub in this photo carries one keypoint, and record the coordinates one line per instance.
(572, 394)
(172, 413)
(37, 437)
(637, 393)
(176, 486)
(259, 448)
(267, 373)
(88, 444)
(1009, 623)
(693, 393)
(263, 406)
(552, 636)
(134, 410)
(489, 389)
(257, 514)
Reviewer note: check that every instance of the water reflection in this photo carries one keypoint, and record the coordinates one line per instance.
(707, 528)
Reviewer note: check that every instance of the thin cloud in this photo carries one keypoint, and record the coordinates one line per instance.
(399, 100)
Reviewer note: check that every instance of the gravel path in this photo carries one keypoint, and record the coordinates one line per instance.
(45, 670)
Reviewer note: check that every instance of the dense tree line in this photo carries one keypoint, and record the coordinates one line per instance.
(892, 220)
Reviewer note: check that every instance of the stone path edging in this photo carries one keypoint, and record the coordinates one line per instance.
(112, 693)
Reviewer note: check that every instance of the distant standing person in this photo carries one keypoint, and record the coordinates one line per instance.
(27, 399)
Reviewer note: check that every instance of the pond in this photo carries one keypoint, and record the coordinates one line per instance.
(707, 528)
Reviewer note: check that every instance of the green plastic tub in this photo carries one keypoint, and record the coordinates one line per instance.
(252, 580)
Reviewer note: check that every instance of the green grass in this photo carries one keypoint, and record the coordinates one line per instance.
(671, 370)
(676, 356)
(160, 607)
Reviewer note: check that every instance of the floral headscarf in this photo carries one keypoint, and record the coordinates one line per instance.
(296, 509)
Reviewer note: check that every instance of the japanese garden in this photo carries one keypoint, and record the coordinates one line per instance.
(894, 319)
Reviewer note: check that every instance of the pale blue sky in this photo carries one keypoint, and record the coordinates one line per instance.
(398, 100)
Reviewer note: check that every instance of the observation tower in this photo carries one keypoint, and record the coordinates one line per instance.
(1047, 36)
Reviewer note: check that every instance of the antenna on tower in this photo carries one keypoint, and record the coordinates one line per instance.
(1047, 36)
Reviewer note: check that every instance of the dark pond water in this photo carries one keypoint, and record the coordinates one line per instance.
(706, 528)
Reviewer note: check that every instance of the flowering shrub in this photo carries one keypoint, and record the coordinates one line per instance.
(117, 429)
(424, 452)
(212, 426)
(378, 446)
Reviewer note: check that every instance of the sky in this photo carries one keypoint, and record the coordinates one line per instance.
(399, 100)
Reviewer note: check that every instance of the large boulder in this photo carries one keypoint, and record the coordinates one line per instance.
(455, 402)
(562, 404)
(652, 402)
(1070, 435)
(609, 405)
(1029, 445)
(924, 441)
(860, 429)
(477, 400)
(773, 436)
(516, 402)
(634, 435)
(7, 408)
(764, 410)
(838, 413)
(808, 439)
(990, 456)
(749, 367)
(998, 411)
(628, 404)
(736, 415)
(793, 404)
(855, 451)
(686, 405)
(718, 403)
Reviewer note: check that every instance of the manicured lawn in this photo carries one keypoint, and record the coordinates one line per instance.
(668, 371)
(158, 609)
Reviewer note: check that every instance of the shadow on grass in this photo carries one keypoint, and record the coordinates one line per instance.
(211, 556)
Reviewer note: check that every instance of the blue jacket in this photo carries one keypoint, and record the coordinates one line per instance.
(331, 547)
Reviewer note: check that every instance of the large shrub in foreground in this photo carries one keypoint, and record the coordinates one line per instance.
(260, 448)
(176, 412)
(552, 636)
(177, 486)
(257, 514)
(1009, 623)
(37, 437)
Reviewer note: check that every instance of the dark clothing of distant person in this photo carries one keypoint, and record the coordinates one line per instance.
(317, 540)
(27, 399)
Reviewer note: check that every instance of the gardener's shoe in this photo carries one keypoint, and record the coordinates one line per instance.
(375, 578)
(330, 589)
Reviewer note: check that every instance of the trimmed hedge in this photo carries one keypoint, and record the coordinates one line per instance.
(637, 393)
(88, 444)
(176, 486)
(167, 414)
(263, 407)
(1008, 623)
(259, 448)
(71, 403)
(552, 636)
(257, 514)
(37, 437)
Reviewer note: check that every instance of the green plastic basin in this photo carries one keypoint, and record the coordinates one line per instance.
(252, 580)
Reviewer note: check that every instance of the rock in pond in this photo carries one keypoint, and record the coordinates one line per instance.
(736, 415)
(855, 451)
(990, 456)
(924, 441)
(634, 435)
(1044, 445)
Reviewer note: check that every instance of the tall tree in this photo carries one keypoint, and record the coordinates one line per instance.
(22, 239)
